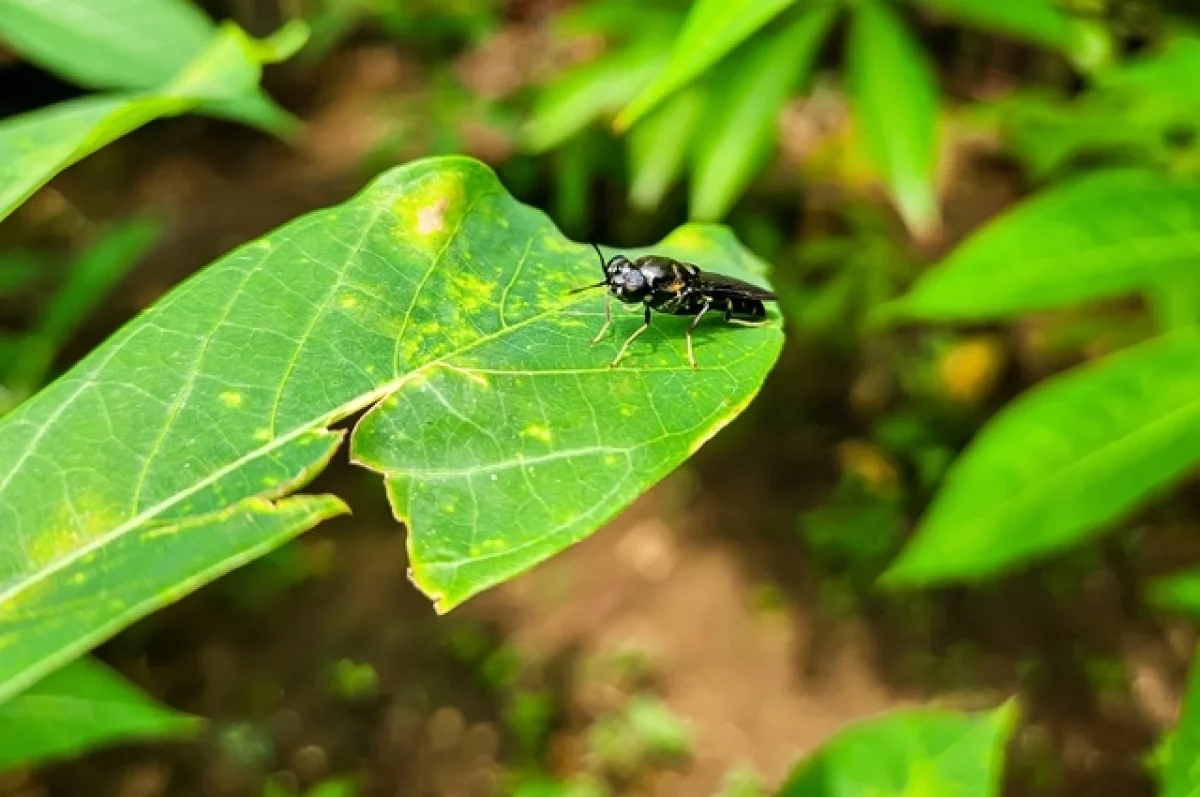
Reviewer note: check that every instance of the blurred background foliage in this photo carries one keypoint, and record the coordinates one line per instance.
(851, 144)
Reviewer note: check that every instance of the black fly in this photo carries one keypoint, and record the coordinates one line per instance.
(669, 286)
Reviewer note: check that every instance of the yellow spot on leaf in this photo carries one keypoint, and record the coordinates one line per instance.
(231, 399)
(347, 302)
(79, 578)
(538, 432)
(262, 435)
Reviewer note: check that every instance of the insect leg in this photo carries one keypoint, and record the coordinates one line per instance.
(607, 319)
(741, 322)
(631, 338)
(691, 326)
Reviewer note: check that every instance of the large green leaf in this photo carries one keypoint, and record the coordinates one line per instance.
(38, 145)
(116, 44)
(1181, 771)
(910, 753)
(1095, 237)
(1038, 20)
(711, 30)
(738, 133)
(78, 707)
(895, 100)
(434, 300)
(1057, 464)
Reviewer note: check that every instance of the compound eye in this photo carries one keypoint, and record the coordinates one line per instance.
(635, 281)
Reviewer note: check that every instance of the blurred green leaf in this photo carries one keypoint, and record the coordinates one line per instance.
(895, 99)
(740, 125)
(1037, 20)
(1179, 591)
(910, 752)
(432, 299)
(36, 146)
(712, 29)
(659, 144)
(1181, 768)
(18, 269)
(1061, 462)
(77, 708)
(90, 279)
(1100, 235)
(592, 91)
(335, 787)
(1048, 133)
(116, 44)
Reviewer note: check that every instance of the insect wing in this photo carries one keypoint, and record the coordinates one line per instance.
(721, 287)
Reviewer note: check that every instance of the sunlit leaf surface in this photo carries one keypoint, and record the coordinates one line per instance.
(711, 30)
(78, 707)
(38, 145)
(1094, 237)
(895, 98)
(117, 44)
(434, 300)
(1062, 461)
(1037, 20)
(910, 753)
(740, 128)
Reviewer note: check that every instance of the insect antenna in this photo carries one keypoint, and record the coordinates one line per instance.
(603, 262)
(602, 283)
(599, 284)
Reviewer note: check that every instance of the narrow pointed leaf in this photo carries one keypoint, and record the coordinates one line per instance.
(1098, 236)
(910, 752)
(712, 29)
(36, 146)
(591, 92)
(433, 300)
(895, 101)
(115, 44)
(1062, 462)
(740, 127)
(659, 145)
(77, 708)
(1181, 772)
(1036, 20)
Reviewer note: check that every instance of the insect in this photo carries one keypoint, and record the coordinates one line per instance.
(669, 286)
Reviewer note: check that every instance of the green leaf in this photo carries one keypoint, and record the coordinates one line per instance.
(910, 752)
(712, 29)
(1101, 235)
(115, 44)
(1179, 591)
(1062, 461)
(77, 708)
(434, 300)
(659, 144)
(1036, 20)
(895, 99)
(590, 92)
(739, 130)
(36, 146)
(1181, 770)
(91, 277)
